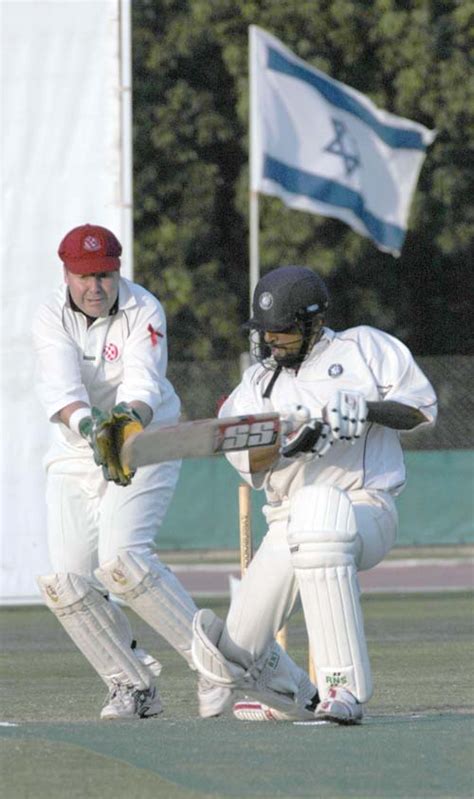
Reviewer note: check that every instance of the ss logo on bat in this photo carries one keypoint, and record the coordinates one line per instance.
(246, 436)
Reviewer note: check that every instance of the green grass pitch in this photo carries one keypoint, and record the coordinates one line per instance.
(416, 739)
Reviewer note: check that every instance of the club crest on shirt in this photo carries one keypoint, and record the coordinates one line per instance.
(335, 370)
(110, 352)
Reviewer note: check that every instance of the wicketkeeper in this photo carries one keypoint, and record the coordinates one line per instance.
(330, 489)
(102, 354)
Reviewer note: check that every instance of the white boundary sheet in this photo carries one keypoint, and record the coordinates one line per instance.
(66, 160)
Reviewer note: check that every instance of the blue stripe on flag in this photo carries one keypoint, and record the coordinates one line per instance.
(335, 94)
(332, 193)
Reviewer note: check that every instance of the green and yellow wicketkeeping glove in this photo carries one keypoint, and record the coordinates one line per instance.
(106, 434)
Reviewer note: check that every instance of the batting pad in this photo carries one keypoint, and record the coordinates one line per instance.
(322, 534)
(275, 680)
(153, 592)
(209, 661)
(98, 629)
(274, 668)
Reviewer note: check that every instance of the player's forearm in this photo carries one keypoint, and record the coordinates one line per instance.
(144, 411)
(394, 415)
(66, 412)
(389, 414)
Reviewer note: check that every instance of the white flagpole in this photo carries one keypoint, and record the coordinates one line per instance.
(254, 274)
(254, 243)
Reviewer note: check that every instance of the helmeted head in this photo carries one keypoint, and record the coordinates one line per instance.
(288, 299)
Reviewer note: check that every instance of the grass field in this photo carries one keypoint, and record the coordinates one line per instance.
(416, 739)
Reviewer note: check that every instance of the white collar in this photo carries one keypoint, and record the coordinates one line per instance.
(327, 335)
(126, 298)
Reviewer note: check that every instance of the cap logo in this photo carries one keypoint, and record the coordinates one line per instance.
(91, 244)
(335, 370)
(265, 301)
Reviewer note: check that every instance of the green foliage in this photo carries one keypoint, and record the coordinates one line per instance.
(191, 166)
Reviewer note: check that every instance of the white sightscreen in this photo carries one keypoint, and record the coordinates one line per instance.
(65, 161)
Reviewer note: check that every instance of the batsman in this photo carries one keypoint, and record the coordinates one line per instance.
(330, 491)
(101, 347)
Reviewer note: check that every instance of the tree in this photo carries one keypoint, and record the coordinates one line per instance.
(191, 174)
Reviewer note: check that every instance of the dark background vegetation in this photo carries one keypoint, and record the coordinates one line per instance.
(413, 58)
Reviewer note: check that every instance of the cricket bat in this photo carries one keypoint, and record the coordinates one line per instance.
(202, 438)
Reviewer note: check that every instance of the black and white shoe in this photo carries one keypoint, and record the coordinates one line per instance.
(129, 702)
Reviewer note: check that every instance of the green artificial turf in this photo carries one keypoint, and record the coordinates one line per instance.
(416, 739)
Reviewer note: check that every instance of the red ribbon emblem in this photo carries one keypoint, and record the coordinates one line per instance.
(154, 335)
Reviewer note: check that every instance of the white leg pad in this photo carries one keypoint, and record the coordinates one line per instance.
(274, 679)
(97, 627)
(122, 622)
(322, 535)
(208, 660)
(152, 590)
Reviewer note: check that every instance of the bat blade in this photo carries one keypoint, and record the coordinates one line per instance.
(202, 438)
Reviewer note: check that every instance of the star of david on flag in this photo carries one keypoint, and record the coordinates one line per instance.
(323, 147)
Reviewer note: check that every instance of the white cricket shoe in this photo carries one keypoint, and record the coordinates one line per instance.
(340, 706)
(129, 702)
(253, 710)
(213, 699)
(250, 710)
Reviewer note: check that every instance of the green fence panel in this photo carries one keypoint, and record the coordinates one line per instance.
(436, 507)
(204, 510)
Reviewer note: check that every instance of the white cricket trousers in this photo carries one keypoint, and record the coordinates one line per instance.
(91, 520)
(268, 591)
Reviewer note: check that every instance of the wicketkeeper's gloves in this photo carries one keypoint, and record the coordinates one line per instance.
(106, 434)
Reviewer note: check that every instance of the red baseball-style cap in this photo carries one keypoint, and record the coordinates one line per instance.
(90, 248)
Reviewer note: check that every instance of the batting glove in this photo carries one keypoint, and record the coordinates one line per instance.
(346, 413)
(302, 434)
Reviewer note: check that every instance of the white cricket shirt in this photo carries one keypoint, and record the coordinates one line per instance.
(121, 357)
(359, 359)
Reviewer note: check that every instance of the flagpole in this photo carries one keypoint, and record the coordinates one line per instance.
(254, 262)
(254, 244)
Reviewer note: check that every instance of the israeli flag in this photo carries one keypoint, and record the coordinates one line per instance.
(325, 148)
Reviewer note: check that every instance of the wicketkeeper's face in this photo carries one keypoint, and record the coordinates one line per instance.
(94, 294)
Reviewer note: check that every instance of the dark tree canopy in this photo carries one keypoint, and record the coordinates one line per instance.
(191, 166)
